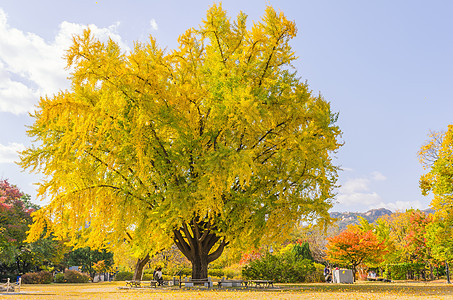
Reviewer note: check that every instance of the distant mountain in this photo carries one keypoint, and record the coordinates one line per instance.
(347, 218)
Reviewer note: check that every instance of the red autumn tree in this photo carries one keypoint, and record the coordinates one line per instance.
(15, 209)
(415, 238)
(406, 232)
(9, 192)
(354, 246)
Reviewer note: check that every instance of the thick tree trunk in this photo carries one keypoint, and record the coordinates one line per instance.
(200, 267)
(195, 241)
(447, 270)
(141, 263)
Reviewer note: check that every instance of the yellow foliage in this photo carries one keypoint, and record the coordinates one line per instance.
(437, 157)
(220, 128)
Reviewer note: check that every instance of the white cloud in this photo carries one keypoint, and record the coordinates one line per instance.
(357, 192)
(15, 96)
(30, 67)
(355, 185)
(378, 176)
(153, 25)
(402, 205)
(9, 153)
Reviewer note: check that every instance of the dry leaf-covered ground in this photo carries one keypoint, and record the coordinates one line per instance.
(364, 290)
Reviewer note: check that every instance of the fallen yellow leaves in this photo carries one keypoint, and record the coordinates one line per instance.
(365, 290)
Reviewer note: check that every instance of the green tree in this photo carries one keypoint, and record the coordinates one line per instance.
(301, 250)
(16, 256)
(87, 258)
(436, 156)
(404, 234)
(215, 143)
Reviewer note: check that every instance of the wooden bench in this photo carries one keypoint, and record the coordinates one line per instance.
(203, 281)
(139, 283)
(133, 283)
(153, 283)
(262, 283)
(378, 279)
(9, 287)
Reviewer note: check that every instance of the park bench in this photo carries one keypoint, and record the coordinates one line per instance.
(202, 281)
(133, 283)
(139, 283)
(153, 283)
(262, 283)
(377, 279)
(9, 287)
(231, 283)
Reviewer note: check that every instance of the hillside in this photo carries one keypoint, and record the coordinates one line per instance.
(347, 218)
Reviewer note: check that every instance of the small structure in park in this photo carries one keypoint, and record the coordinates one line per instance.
(342, 276)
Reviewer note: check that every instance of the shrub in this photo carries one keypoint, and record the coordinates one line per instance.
(147, 277)
(123, 275)
(404, 271)
(233, 271)
(42, 277)
(4, 277)
(148, 274)
(283, 267)
(176, 270)
(59, 278)
(317, 275)
(45, 277)
(72, 276)
(148, 271)
(168, 277)
(186, 272)
(215, 272)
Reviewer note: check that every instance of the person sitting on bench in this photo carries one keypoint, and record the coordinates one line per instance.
(157, 275)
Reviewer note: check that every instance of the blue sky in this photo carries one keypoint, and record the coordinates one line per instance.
(385, 66)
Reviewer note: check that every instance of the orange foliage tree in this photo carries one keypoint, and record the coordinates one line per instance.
(354, 246)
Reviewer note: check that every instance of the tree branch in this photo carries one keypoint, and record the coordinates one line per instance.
(267, 133)
(182, 245)
(270, 57)
(216, 254)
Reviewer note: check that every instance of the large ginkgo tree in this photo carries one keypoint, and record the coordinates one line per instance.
(215, 143)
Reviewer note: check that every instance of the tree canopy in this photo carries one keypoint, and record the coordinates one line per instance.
(354, 246)
(437, 157)
(16, 256)
(404, 235)
(215, 142)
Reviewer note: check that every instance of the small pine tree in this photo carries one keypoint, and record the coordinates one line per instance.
(301, 251)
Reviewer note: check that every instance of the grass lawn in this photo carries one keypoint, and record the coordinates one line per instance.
(361, 290)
